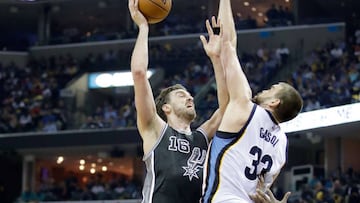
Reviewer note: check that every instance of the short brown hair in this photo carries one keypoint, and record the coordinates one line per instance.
(163, 98)
(290, 105)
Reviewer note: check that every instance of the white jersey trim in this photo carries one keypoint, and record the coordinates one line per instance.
(152, 187)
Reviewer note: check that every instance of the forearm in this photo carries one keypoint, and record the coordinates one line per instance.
(140, 55)
(222, 92)
(236, 81)
(227, 20)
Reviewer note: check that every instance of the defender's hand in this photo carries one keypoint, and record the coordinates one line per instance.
(213, 46)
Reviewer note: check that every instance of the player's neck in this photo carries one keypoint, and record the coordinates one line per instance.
(272, 112)
(180, 125)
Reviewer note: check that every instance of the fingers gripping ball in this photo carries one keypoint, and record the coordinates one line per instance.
(155, 10)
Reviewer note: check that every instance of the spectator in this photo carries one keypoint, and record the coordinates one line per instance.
(273, 15)
(289, 16)
(282, 54)
(353, 195)
(91, 124)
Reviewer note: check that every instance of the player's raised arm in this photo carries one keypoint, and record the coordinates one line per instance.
(225, 14)
(212, 48)
(149, 123)
(240, 105)
(230, 59)
(236, 81)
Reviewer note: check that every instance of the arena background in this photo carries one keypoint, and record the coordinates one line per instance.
(68, 133)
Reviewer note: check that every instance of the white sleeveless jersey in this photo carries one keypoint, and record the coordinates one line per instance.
(235, 160)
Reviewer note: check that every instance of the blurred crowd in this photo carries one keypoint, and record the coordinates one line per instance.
(175, 24)
(328, 77)
(97, 187)
(31, 96)
(31, 102)
(275, 16)
(340, 187)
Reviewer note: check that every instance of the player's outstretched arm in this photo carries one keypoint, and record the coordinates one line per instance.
(212, 47)
(225, 14)
(240, 105)
(148, 122)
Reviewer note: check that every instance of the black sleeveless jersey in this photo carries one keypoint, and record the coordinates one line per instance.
(175, 167)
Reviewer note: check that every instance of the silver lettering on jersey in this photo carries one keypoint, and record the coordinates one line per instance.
(268, 137)
(181, 145)
(195, 163)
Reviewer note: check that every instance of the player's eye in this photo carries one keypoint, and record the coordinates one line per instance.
(181, 94)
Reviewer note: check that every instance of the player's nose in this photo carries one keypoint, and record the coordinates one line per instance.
(190, 98)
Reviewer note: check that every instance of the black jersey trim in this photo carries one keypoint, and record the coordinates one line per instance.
(225, 135)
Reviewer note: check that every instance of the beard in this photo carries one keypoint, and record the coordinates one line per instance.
(259, 98)
(188, 114)
(255, 99)
(262, 98)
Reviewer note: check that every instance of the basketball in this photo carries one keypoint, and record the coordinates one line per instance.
(155, 10)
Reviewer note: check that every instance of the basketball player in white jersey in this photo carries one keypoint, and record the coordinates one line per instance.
(249, 141)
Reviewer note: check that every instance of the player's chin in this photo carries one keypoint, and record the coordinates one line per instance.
(192, 115)
(255, 99)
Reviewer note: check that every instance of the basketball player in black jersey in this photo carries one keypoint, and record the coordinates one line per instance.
(174, 153)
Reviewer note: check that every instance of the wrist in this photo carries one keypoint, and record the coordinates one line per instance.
(144, 26)
(215, 58)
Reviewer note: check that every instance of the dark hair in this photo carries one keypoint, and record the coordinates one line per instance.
(163, 98)
(290, 105)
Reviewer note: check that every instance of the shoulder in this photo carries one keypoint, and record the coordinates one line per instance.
(264, 114)
(200, 133)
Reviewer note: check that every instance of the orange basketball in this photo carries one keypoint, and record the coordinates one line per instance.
(155, 10)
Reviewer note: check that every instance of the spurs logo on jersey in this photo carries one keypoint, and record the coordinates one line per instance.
(194, 163)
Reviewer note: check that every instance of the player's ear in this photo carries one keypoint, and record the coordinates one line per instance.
(274, 103)
(166, 107)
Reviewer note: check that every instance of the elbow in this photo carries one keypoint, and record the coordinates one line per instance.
(218, 114)
(249, 94)
(138, 73)
(221, 110)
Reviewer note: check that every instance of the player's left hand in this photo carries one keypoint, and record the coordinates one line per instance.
(212, 47)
